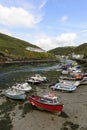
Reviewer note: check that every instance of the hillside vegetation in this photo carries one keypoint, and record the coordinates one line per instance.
(81, 49)
(15, 49)
(62, 50)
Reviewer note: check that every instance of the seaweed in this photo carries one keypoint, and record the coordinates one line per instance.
(5, 122)
(69, 126)
(64, 115)
(27, 108)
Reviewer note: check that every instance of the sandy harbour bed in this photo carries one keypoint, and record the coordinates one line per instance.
(73, 117)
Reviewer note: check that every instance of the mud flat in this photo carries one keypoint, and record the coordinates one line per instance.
(73, 116)
(15, 115)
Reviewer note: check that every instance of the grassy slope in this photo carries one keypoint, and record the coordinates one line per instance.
(16, 49)
(81, 49)
(62, 50)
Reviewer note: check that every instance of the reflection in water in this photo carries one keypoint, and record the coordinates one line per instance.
(9, 76)
(29, 69)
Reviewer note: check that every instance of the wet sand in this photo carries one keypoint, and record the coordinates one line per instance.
(73, 117)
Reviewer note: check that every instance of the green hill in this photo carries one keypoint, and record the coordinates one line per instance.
(62, 50)
(81, 49)
(15, 49)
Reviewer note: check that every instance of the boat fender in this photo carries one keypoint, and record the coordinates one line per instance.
(32, 103)
(51, 95)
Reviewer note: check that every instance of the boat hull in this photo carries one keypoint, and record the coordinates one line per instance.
(33, 82)
(64, 87)
(20, 96)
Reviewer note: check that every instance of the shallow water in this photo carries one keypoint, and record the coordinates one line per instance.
(29, 69)
(14, 74)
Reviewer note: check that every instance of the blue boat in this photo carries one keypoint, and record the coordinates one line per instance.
(64, 87)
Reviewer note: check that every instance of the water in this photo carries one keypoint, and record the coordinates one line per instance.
(10, 75)
(29, 69)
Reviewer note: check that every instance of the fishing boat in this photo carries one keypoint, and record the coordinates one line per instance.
(15, 94)
(48, 102)
(38, 77)
(23, 87)
(65, 87)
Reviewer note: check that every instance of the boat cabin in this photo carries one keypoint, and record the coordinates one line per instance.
(50, 98)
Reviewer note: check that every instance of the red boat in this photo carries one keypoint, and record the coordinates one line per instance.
(48, 102)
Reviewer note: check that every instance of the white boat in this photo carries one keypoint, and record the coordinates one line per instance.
(23, 87)
(84, 80)
(65, 72)
(64, 87)
(85, 76)
(38, 77)
(33, 81)
(15, 94)
(69, 82)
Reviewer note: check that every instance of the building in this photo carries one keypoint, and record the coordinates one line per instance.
(77, 56)
(35, 49)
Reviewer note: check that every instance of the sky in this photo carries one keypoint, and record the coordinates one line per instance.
(45, 23)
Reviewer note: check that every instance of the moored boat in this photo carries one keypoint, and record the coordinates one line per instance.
(84, 80)
(70, 82)
(64, 87)
(15, 94)
(48, 102)
(33, 81)
(23, 87)
(39, 78)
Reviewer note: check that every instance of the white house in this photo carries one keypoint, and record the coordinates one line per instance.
(77, 56)
(35, 49)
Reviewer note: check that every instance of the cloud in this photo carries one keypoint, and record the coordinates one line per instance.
(18, 17)
(47, 43)
(42, 4)
(66, 37)
(82, 31)
(64, 18)
(44, 42)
